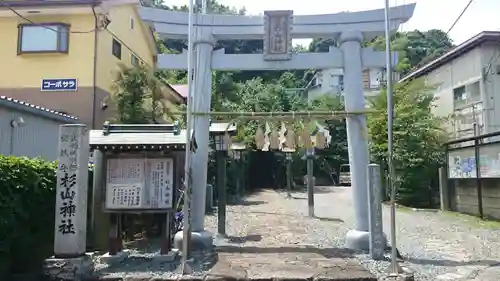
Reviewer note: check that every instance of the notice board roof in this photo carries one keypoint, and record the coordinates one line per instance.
(121, 137)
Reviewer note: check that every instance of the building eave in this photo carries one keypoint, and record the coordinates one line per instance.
(485, 36)
(54, 3)
(178, 97)
(37, 110)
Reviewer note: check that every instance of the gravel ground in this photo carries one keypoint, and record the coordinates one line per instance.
(144, 264)
(435, 246)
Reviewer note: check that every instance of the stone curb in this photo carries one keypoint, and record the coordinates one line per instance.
(425, 210)
(405, 275)
(211, 278)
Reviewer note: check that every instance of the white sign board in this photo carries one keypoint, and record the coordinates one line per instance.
(490, 160)
(137, 183)
(124, 196)
(160, 183)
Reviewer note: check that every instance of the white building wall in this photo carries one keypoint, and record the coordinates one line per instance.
(329, 82)
(490, 59)
(465, 70)
(36, 137)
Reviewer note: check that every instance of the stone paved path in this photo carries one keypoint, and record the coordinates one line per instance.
(437, 246)
(268, 238)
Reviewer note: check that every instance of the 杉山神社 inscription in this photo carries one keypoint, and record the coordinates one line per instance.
(71, 195)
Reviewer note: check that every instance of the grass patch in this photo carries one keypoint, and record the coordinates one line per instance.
(473, 220)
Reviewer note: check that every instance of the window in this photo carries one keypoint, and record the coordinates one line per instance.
(117, 49)
(467, 94)
(337, 82)
(474, 92)
(134, 60)
(52, 38)
(459, 95)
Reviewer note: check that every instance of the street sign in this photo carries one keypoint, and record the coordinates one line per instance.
(58, 85)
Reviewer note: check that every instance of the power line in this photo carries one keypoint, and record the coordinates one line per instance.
(72, 32)
(460, 16)
(4, 3)
(447, 33)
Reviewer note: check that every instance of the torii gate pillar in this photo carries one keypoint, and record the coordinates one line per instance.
(278, 28)
(357, 138)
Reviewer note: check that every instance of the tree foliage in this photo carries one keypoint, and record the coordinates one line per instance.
(138, 96)
(336, 153)
(27, 200)
(415, 47)
(417, 140)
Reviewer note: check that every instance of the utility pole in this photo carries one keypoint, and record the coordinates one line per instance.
(185, 268)
(390, 116)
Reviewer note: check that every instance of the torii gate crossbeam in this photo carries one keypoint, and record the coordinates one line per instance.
(174, 25)
(277, 28)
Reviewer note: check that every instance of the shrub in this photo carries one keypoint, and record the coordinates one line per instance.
(27, 202)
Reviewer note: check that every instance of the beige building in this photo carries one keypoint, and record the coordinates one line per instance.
(65, 55)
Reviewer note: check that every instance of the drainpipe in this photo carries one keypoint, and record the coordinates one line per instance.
(94, 78)
(94, 97)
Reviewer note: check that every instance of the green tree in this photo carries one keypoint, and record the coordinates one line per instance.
(320, 45)
(138, 96)
(336, 153)
(418, 140)
(415, 47)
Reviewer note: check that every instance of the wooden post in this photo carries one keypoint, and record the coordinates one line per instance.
(100, 221)
(221, 187)
(444, 194)
(310, 181)
(479, 183)
(166, 238)
(289, 177)
(113, 245)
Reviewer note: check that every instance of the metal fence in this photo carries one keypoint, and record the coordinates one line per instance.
(473, 161)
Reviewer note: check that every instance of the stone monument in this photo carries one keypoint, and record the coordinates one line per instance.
(277, 29)
(70, 261)
(378, 241)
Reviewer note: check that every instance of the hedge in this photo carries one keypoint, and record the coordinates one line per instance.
(27, 201)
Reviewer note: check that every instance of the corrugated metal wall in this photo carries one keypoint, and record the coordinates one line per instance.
(37, 137)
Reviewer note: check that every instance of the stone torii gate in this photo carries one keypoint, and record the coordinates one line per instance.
(277, 28)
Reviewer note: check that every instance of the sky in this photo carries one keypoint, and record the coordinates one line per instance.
(429, 14)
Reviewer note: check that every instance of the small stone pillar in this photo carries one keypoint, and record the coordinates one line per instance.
(378, 241)
(70, 261)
